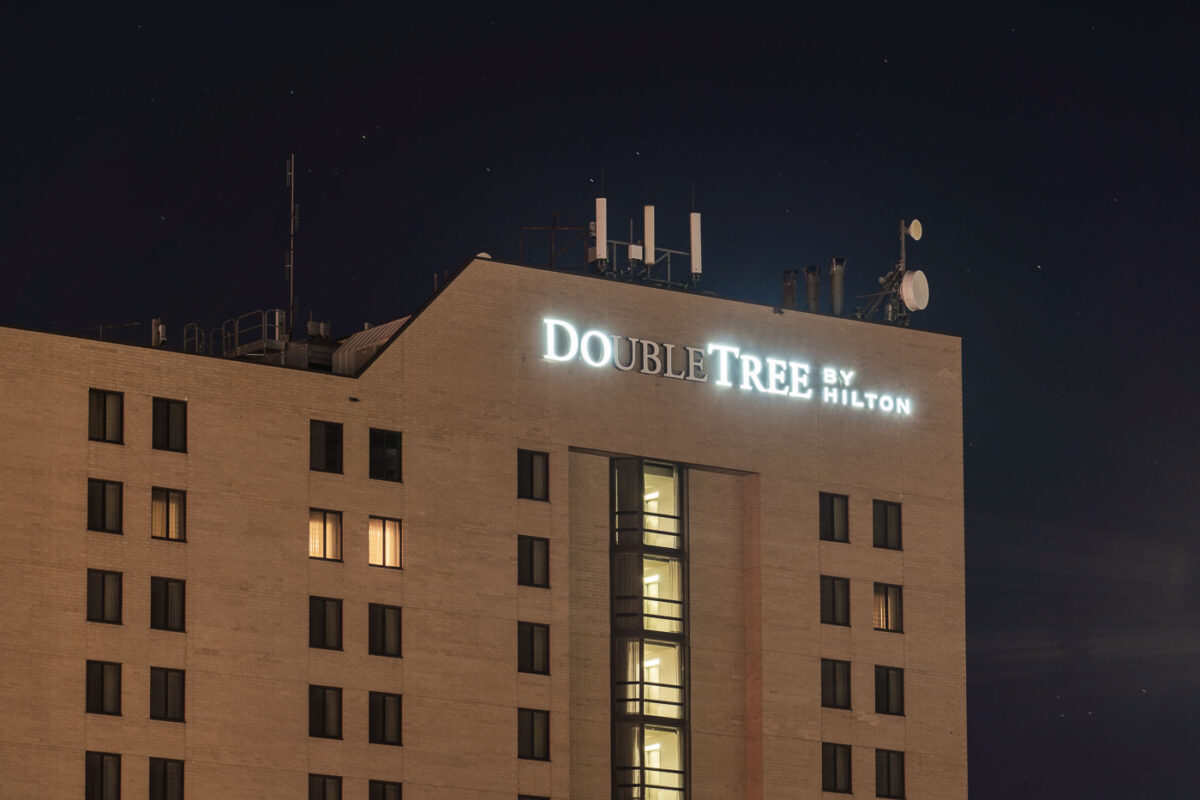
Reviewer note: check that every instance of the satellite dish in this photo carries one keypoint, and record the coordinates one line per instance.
(914, 230)
(914, 289)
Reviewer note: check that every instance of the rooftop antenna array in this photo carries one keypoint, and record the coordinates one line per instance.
(904, 291)
(289, 265)
(643, 260)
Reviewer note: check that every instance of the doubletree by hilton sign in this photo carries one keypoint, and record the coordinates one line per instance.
(725, 364)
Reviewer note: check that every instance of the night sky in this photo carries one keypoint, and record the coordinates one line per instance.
(1052, 156)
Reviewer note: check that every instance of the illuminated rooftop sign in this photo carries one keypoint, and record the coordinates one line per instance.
(727, 366)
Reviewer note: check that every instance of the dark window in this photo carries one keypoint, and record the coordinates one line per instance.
(167, 604)
(166, 694)
(325, 712)
(385, 718)
(835, 600)
(385, 456)
(533, 734)
(384, 790)
(533, 561)
(325, 623)
(887, 525)
(889, 690)
(166, 779)
(835, 517)
(325, 534)
(889, 773)
(533, 648)
(533, 475)
(102, 779)
(168, 514)
(835, 767)
(104, 596)
(835, 683)
(104, 506)
(103, 687)
(889, 614)
(324, 446)
(384, 623)
(105, 411)
(324, 787)
(170, 425)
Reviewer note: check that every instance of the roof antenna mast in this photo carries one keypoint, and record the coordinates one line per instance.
(289, 266)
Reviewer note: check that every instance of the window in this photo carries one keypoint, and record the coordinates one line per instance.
(383, 542)
(888, 612)
(835, 767)
(104, 596)
(105, 410)
(383, 790)
(533, 648)
(104, 506)
(324, 787)
(170, 425)
(384, 622)
(166, 779)
(835, 600)
(889, 690)
(324, 446)
(835, 683)
(887, 525)
(325, 534)
(167, 598)
(533, 734)
(385, 718)
(103, 687)
(533, 478)
(167, 513)
(533, 561)
(325, 712)
(385, 456)
(889, 773)
(166, 694)
(835, 517)
(102, 776)
(325, 623)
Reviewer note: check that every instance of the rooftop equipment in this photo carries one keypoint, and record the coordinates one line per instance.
(903, 291)
(812, 288)
(837, 284)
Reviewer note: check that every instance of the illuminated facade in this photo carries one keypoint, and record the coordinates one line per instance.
(554, 536)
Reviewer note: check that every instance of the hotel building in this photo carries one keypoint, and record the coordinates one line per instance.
(553, 536)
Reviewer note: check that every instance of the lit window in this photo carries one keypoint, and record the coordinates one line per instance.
(889, 773)
(533, 478)
(104, 596)
(104, 506)
(167, 514)
(662, 593)
(324, 446)
(102, 780)
(105, 409)
(103, 687)
(533, 561)
(649, 679)
(167, 604)
(325, 534)
(385, 718)
(533, 734)
(887, 525)
(384, 790)
(835, 600)
(385, 455)
(166, 779)
(170, 425)
(325, 623)
(835, 517)
(325, 712)
(835, 767)
(384, 634)
(835, 683)
(888, 612)
(889, 690)
(383, 542)
(533, 648)
(166, 694)
(324, 787)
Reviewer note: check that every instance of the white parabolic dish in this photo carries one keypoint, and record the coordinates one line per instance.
(914, 290)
